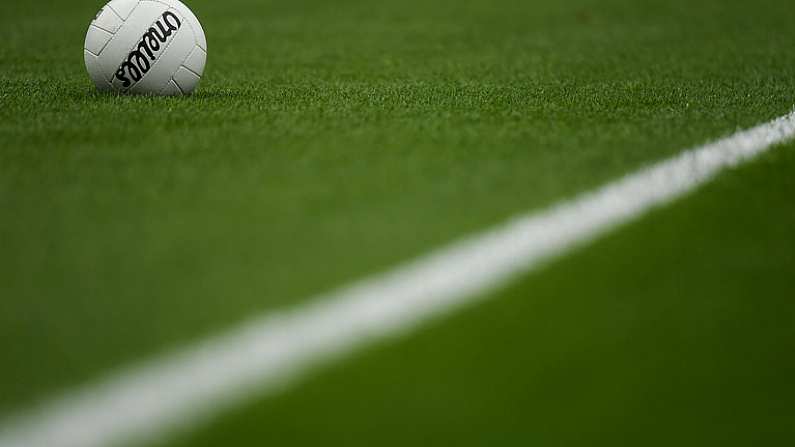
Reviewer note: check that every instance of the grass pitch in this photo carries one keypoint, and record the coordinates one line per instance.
(331, 140)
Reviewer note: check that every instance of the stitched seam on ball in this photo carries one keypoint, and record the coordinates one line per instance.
(188, 57)
(165, 49)
(112, 33)
(179, 87)
(119, 15)
(106, 43)
(188, 68)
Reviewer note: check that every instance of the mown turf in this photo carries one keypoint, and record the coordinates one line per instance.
(677, 330)
(328, 141)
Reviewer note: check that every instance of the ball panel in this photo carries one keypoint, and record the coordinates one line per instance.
(95, 72)
(196, 61)
(186, 80)
(96, 40)
(123, 8)
(108, 21)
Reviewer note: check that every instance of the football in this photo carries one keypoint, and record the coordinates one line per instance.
(146, 47)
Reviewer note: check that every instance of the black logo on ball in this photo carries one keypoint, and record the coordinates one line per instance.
(142, 57)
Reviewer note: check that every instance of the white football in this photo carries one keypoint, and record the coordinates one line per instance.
(146, 47)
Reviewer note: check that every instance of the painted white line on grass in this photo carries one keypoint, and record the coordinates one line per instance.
(182, 390)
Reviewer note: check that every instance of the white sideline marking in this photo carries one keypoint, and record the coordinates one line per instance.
(151, 400)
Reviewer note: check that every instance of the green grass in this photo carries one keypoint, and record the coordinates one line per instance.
(331, 140)
(678, 330)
